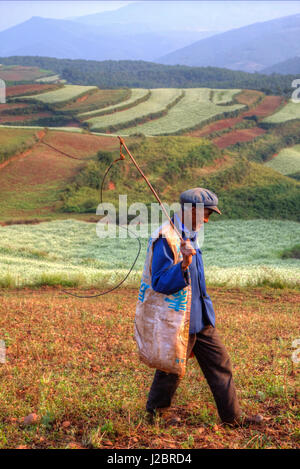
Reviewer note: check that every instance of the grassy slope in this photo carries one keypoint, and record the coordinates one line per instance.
(162, 159)
(66, 93)
(66, 363)
(287, 161)
(224, 96)
(15, 141)
(30, 186)
(289, 112)
(245, 189)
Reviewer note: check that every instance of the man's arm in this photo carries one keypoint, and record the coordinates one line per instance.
(167, 278)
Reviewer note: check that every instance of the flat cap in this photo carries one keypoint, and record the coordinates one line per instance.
(198, 195)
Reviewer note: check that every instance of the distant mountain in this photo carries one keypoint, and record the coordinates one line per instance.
(218, 16)
(290, 66)
(250, 48)
(74, 40)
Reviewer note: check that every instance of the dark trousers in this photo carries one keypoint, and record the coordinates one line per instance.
(215, 364)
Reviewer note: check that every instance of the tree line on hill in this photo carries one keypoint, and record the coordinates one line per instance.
(135, 74)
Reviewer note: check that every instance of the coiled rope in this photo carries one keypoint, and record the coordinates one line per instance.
(121, 157)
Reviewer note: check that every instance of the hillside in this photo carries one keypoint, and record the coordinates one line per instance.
(139, 74)
(245, 189)
(250, 48)
(290, 66)
(158, 111)
(37, 181)
(32, 180)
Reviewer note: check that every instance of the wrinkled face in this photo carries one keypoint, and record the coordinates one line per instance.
(194, 218)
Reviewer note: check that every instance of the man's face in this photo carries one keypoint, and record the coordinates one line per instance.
(196, 224)
(193, 218)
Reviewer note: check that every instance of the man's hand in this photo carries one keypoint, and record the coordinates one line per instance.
(187, 252)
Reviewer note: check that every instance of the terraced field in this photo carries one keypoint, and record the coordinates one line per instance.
(137, 94)
(267, 106)
(249, 97)
(239, 135)
(289, 112)
(157, 102)
(193, 109)
(22, 90)
(287, 161)
(97, 100)
(223, 96)
(49, 79)
(66, 93)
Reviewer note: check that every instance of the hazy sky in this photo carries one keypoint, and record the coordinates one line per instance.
(14, 12)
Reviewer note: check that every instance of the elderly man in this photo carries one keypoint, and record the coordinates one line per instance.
(169, 277)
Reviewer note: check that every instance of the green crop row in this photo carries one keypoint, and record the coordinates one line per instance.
(62, 95)
(288, 112)
(235, 252)
(137, 96)
(194, 109)
(158, 102)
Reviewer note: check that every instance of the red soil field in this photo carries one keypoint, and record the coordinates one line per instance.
(81, 145)
(20, 73)
(248, 97)
(266, 107)
(215, 127)
(96, 98)
(241, 135)
(37, 167)
(20, 90)
(37, 176)
(41, 164)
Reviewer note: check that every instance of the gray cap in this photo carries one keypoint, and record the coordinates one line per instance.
(198, 195)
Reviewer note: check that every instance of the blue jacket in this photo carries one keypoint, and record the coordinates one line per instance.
(168, 278)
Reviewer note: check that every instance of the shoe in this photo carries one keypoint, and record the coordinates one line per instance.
(166, 415)
(245, 421)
